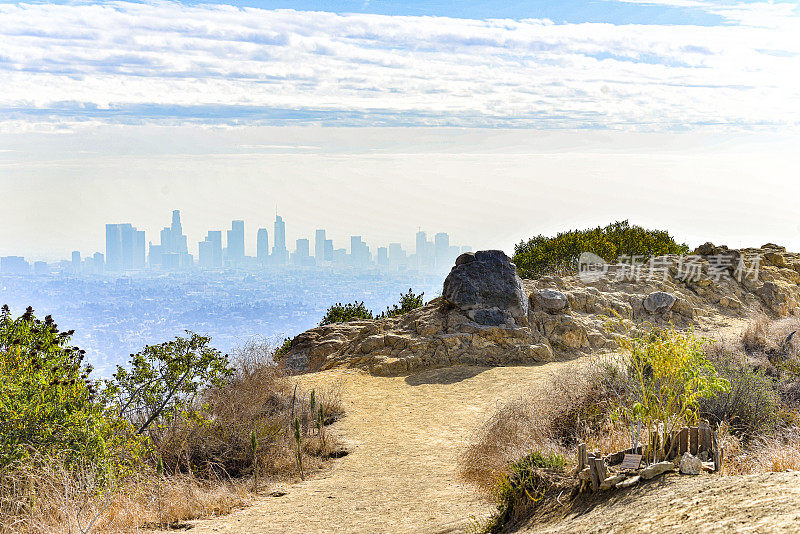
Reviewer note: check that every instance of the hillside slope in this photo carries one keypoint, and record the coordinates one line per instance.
(764, 503)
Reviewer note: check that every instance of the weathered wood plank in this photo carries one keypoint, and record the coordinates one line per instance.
(683, 441)
(693, 440)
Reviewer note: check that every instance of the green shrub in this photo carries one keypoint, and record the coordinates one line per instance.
(408, 302)
(162, 380)
(541, 255)
(523, 486)
(49, 406)
(284, 347)
(668, 375)
(344, 313)
(752, 404)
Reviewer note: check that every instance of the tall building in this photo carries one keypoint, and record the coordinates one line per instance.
(424, 251)
(99, 262)
(397, 256)
(262, 245)
(441, 243)
(328, 250)
(279, 253)
(173, 252)
(210, 250)
(76, 261)
(235, 242)
(302, 254)
(383, 257)
(359, 252)
(319, 246)
(124, 247)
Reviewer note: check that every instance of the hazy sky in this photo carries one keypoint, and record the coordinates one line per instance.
(492, 121)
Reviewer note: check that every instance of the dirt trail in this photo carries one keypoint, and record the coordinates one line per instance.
(404, 435)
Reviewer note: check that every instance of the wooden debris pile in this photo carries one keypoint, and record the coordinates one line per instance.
(690, 449)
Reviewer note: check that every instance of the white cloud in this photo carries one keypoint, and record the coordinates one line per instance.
(166, 62)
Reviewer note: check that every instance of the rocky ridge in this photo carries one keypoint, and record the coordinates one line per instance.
(487, 315)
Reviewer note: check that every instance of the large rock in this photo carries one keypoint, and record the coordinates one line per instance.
(486, 286)
(659, 302)
(550, 300)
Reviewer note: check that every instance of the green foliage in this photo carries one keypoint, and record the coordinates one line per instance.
(668, 374)
(408, 302)
(284, 348)
(163, 380)
(523, 486)
(48, 403)
(752, 404)
(344, 313)
(541, 255)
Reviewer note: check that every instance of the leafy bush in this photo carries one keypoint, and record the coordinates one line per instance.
(669, 374)
(48, 403)
(541, 255)
(284, 347)
(750, 407)
(523, 486)
(344, 313)
(162, 380)
(408, 302)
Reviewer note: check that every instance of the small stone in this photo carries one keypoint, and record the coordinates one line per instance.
(612, 481)
(690, 464)
(550, 300)
(659, 302)
(629, 482)
(656, 469)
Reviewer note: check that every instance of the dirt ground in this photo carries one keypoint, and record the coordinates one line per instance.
(404, 435)
(761, 503)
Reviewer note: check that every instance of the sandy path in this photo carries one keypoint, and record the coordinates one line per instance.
(404, 435)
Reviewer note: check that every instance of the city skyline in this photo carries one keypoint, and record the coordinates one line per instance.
(125, 250)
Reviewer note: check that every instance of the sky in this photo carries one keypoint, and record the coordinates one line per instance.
(492, 121)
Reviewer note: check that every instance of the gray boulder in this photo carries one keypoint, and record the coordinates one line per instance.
(550, 300)
(486, 286)
(655, 470)
(690, 464)
(659, 302)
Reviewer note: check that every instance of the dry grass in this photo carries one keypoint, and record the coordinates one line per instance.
(208, 459)
(766, 454)
(47, 498)
(259, 399)
(773, 338)
(573, 408)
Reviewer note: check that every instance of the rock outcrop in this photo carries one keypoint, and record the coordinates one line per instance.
(485, 286)
(487, 315)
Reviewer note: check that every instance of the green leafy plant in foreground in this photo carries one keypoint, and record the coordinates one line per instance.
(162, 380)
(669, 375)
(49, 406)
(523, 486)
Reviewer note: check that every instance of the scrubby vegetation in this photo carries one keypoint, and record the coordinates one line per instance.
(663, 379)
(559, 254)
(408, 302)
(343, 313)
(177, 434)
